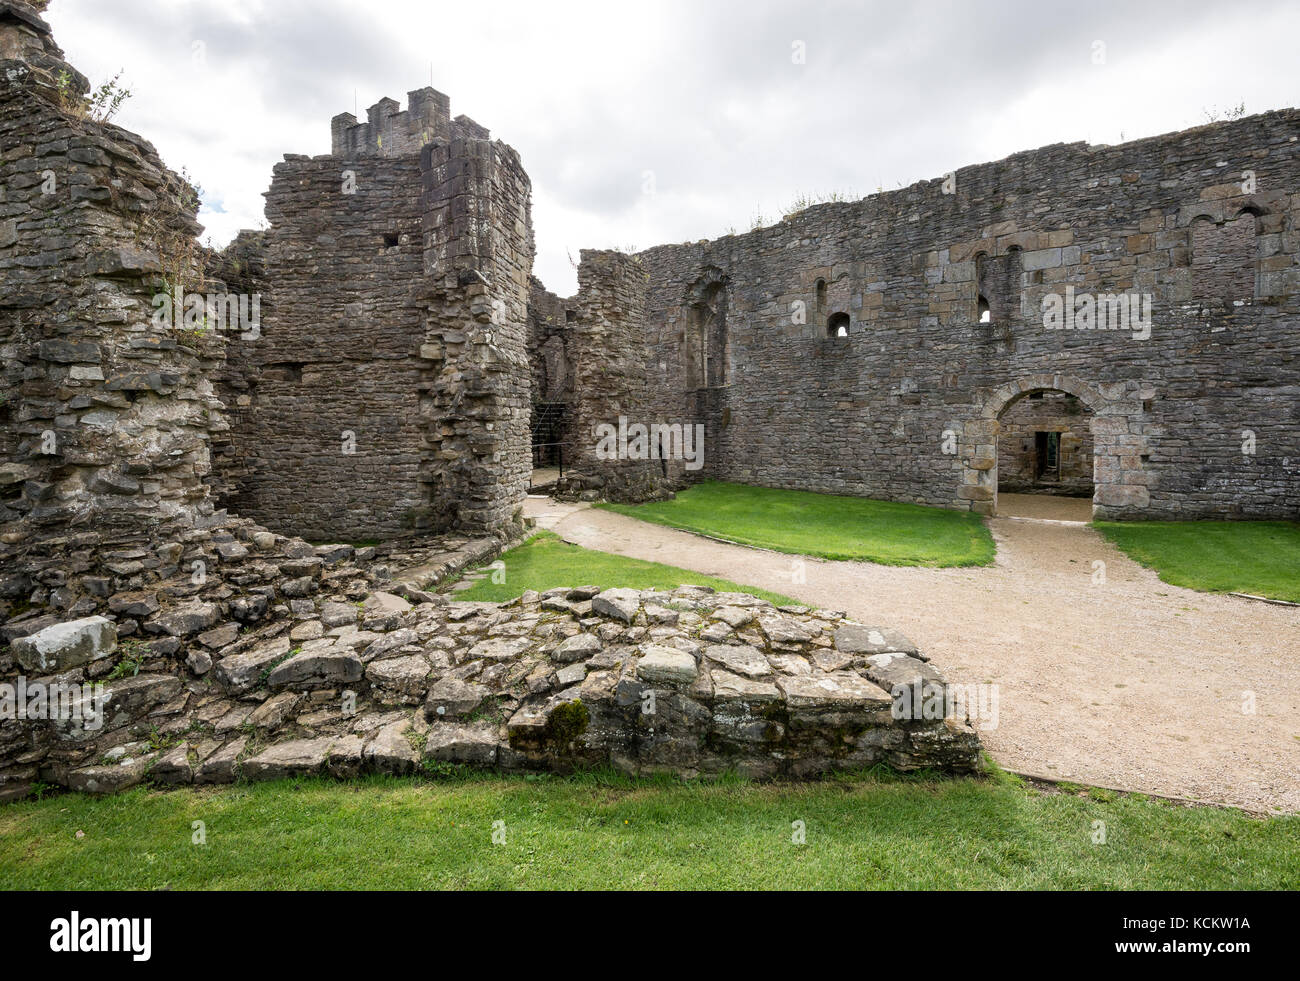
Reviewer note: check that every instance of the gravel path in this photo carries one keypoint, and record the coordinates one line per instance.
(1130, 683)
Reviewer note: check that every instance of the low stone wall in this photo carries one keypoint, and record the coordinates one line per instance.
(344, 679)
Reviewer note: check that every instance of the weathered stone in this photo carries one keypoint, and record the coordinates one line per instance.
(854, 638)
(734, 616)
(337, 615)
(274, 712)
(500, 648)
(666, 665)
(740, 659)
(617, 604)
(109, 778)
(451, 698)
(405, 678)
(579, 647)
(219, 637)
(184, 620)
(839, 691)
(173, 767)
(728, 686)
(474, 745)
(223, 765)
(239, 672)
(296, 758)
(390, 751)
(200, 662)
(317, 669)
(571, 674)
(306, 630)
(892, 669)
(66, 645)
(141, 603)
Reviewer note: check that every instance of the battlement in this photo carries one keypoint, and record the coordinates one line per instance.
(390, 131)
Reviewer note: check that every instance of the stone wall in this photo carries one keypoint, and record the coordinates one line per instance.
(352, 681)
(906, 406)
(387, 392)
(105, 415)
(611, 391)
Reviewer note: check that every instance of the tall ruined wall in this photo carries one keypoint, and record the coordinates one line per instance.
(608, 347)
(330, 437)
(477, 262)
(388, 390)
(1205, 222)
(105, 416)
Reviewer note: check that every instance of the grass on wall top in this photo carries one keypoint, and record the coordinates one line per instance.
(1258, 557)
(545, 562)
(825, 525)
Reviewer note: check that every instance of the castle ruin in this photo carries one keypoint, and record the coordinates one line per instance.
(401, 372)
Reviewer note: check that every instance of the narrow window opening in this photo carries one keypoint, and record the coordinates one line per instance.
(985, 315)
(838, 325)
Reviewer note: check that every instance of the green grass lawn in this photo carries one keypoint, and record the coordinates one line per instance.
(1259, 557)
(824, 525)
(600, 830)
(546, 561)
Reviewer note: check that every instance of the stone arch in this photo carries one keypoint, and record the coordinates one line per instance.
(1118, 414)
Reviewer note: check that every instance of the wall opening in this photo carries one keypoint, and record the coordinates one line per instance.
(998, 286)
(1044, 447)
(705, 352)
(837, 325)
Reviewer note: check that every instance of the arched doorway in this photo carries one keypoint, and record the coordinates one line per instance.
(1117, 416)
(1045, 456)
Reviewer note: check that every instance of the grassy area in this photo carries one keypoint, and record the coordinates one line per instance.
(824, 525)
(599, 831)
(1259, 557)
(546, 561)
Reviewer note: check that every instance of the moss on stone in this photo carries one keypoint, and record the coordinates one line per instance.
(567, 722)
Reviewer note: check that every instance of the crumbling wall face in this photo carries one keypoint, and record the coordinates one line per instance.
(328, 435)
(1021, 459)
(905, 407)
(388, 390)
(551, 370)
(474, 391)
(612, 409)
(105, 416)
(241, 266)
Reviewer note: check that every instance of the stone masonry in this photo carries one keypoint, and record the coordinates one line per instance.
(389, 384)
(1202, 224)
(690, 682)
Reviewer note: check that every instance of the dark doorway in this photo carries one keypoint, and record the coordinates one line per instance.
(1047, 463)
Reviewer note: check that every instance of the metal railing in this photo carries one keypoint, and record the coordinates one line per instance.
(539, 461)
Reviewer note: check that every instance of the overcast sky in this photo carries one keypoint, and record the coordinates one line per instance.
(705, 104)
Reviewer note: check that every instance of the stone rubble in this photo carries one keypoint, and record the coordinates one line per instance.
(395, 687)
